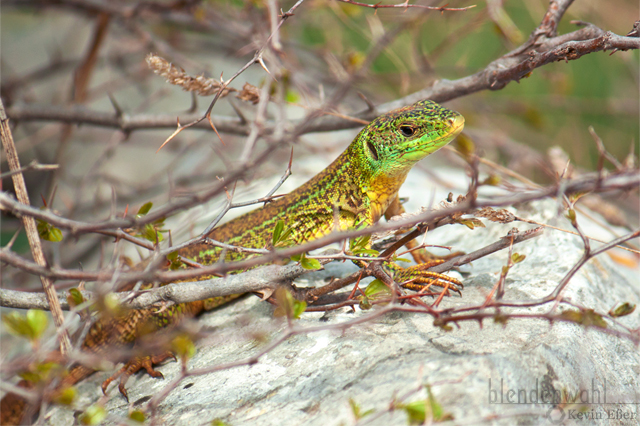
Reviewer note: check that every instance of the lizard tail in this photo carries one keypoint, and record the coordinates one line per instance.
(15, 410)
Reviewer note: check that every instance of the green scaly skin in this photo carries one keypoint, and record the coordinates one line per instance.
(357, 188)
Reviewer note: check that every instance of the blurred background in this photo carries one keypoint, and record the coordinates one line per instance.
(91, 54)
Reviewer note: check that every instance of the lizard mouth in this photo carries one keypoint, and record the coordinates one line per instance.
(456, 124)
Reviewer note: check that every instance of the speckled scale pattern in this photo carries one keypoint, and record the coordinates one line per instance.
(356, 188)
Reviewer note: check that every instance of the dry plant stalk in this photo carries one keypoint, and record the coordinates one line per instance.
(200, 85)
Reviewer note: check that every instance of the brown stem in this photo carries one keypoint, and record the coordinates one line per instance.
(32, 230)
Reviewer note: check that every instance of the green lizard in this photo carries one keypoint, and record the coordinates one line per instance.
(358, 188)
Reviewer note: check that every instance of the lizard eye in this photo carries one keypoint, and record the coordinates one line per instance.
(372, 150)
(407, 131)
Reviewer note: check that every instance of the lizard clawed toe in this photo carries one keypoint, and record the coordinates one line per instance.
(419, 278)
(132, 367)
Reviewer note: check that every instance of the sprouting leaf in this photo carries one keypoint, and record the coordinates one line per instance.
(288, 306)
(416, 411)
(42, 372)
(438, 322)
(37, 321)
(377, 289)
(75, 298)
(359, 243)
(421, 411)
(365, 303)
(94, 415)
(48, 232)
(66, 396)
(174, 261)
(112, 303)
(137, 416)
(465, 145)
(218, 422)
(500, 319)
(571, 215)
(183, 346)
(587, 317)
(357, 411)
(282, 235)
(310, 264)
(150, 231)
(492, 180)
(146, 208)
(17, 324)
(517, 257)
(625, 309)
(471, 223)
(299, 306)
(277, 231)
(437, 412)
(30, 326)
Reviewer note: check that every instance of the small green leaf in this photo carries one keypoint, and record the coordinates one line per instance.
(471, 223)
(571, 215)
(465, 145)
(146, 208)
(66, 396)
(17, 325)
(360, 252)
(173, 255)
(94, 415)
(174, 261)
(37, 321)
(357, 411)
(75, 298)
(218, 422)
(30, 326)
(622, 310)
(437, 412)
(277, 231)
(137, 416)
(288, 306)
(419, 412)
(296, 257)
(517, 257)
(401, 259)
(365, 303)
(377, 288)
(183, 346)
(416, 411)
(492, 180)
(150, 233)
(48, 232)
(587, 318)
(442, 324)
(310, 264)
(299, 306)
(112, 303)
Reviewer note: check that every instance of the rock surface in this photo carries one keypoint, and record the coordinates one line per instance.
(472, 372)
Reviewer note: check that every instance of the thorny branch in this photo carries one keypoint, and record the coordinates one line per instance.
(544, 46)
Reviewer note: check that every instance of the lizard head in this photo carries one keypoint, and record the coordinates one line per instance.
(394, 142)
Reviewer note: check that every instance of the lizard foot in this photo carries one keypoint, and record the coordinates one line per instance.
(418, 277)
(132, 367)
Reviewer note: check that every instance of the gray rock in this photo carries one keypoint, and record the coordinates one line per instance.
(473, 371)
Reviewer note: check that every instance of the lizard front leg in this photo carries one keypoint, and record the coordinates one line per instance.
(418, 277)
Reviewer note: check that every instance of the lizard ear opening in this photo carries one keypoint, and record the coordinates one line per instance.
(372, 150)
